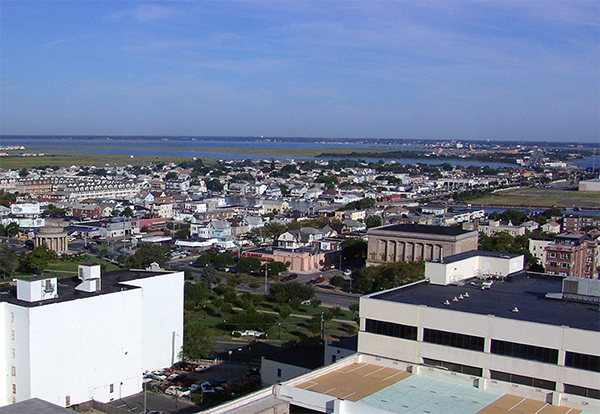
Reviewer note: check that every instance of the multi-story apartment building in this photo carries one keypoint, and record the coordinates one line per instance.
(572, 255)
(578, 223)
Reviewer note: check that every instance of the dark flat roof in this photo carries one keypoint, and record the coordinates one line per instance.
(472, 253)
(524, 291)
(423, 229)
(114, 281)
(34, 406)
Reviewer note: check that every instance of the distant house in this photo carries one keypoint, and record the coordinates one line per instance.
(551, 227)
(87, 211)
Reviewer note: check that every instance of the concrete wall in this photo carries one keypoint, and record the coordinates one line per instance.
(269, 369)
(162, 318)
(78, 348)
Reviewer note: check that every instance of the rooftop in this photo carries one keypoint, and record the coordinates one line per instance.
(382, 389)
(474, 253)
(111, 282)
(423, 229)
(526, 292)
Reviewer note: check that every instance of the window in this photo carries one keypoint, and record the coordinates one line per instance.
(584, 392)
(391, 329)
(553, 264)
(14, 387)
(463, 369)
(531, 352)
(566, 265)
(552, 254)
(13, 371)
(563, 274)
(566, 256)
(582, 361)
(456, 340)
(278, 372)
(523, 380)
(111, 388)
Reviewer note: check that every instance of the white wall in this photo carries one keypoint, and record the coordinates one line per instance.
(162, 318)
(79, 347)
(446, 273)
(268, 371)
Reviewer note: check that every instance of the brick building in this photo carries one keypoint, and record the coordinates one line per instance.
(573, 255)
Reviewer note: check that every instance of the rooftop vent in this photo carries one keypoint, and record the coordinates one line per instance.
(37, 288)
(90, 276)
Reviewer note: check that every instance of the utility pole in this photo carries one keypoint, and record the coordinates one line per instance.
(265, 276)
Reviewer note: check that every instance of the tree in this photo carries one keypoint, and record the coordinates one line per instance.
(52, 210)
(127, 212)
(210, 277)
(372, 279)
(11, 229)
(275, 268)
(148, 253)
(248, 265)
(197, 342)
(7, 261)
(37, 259)
(337, 281)
(373, 221)
(292, 290)
(354, 250)
(285, 311)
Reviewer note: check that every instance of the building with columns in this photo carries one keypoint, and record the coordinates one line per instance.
(55, 237)
(408, 242)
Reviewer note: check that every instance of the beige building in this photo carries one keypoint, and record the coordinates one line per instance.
(55, 237)
(407, 242)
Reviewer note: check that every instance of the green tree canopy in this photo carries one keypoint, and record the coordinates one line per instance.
(197, 342)
(147, 254)
(37, 259)
(8, 260)
(387, 276)
(291, 290)
(248, 265)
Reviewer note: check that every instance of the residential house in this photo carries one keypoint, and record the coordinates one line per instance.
(551, 227)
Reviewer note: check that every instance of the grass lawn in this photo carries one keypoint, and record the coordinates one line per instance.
(533, 197)
(67, 268)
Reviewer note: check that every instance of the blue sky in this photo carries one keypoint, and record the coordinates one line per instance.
(498, 70)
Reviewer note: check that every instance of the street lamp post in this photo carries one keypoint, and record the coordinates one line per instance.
(229, 371)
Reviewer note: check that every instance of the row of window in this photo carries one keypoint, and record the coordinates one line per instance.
(513, 378)
(476, 343)
(584, 392)
(523, 380)
(523, 351)
(451, 366)
(391, 329)
(582, 361)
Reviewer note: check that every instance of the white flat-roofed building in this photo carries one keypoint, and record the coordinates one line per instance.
(522, 331)
(475, 263)
(68, 343)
